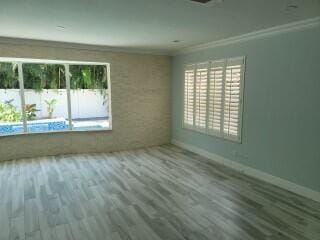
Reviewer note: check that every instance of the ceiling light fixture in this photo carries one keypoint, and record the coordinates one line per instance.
(292, 7)
(201, 1)
(208, 3)
(60, 28)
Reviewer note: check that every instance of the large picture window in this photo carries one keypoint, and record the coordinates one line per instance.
(213, 97)
(47, 95)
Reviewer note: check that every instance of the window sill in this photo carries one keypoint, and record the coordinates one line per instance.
(212, 134)
(106, 130)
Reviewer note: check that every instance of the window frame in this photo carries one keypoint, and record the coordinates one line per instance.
(66, 64)
(207, 131)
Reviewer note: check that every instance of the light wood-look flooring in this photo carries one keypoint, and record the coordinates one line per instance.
(149, 194)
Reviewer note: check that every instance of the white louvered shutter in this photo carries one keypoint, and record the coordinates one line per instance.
(215, 91)
(189, 75)
(233, 98)
(213, 97)
(201, 96)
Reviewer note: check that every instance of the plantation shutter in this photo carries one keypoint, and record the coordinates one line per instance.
(213, 97)
(233, 97)
(189, 75)
(215, 91)
(201, 96)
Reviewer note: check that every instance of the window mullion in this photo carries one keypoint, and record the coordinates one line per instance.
(109, 96)
(208, 92)
(184, 99)
(23, 103)
(223, 98)
(194, 95)
(66, 66)
(241, 100)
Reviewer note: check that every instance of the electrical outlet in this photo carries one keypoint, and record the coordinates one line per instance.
(242, 156)
(234, 152)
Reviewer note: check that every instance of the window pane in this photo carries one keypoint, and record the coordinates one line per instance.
(232, 96)
(215, 96)
(201, 96)
(189, 96)
(10, 100)
(89, 97)
(45, 93)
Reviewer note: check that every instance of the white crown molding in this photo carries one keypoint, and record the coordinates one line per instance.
(77, 46)
(290, 27)
(282, 183)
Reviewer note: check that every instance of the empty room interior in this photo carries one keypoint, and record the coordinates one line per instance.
(160, 120)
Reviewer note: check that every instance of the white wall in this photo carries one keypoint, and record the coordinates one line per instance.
(84, 103)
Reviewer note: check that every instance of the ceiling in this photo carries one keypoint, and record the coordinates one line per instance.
(146, 25)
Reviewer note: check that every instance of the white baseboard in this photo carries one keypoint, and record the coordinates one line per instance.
(285, 184)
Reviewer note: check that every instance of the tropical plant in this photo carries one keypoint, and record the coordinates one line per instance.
(88, 77)
(43, 76)
(30, 110)
(8, 76)
(8, 112)
(50, 106)
(104, 94)
(52, 76)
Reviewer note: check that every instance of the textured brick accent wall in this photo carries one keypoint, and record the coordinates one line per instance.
(140, 88)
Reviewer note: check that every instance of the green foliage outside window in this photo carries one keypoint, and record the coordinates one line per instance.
(43, 76)
(9, 76)
(52, 76)
(88, 77)
(9, 113)
(50, 106)
(30, 110)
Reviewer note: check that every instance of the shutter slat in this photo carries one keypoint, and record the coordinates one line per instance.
(215, 95)
(201, 95)
(188, 95)
(212, 97)
(232, 101)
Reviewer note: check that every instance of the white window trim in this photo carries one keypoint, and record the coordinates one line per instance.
(186, 125)
(66, 64)
(207, 131)
(68, 75)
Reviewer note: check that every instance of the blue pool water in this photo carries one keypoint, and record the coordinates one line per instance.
(33, 127)
(43, 126)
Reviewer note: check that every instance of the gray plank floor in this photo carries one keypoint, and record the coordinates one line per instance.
(155, 193)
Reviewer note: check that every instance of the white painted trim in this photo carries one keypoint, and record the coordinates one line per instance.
(109, 95)
(68, 75)
(285, 184)
(290, 27)
(22, 97)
